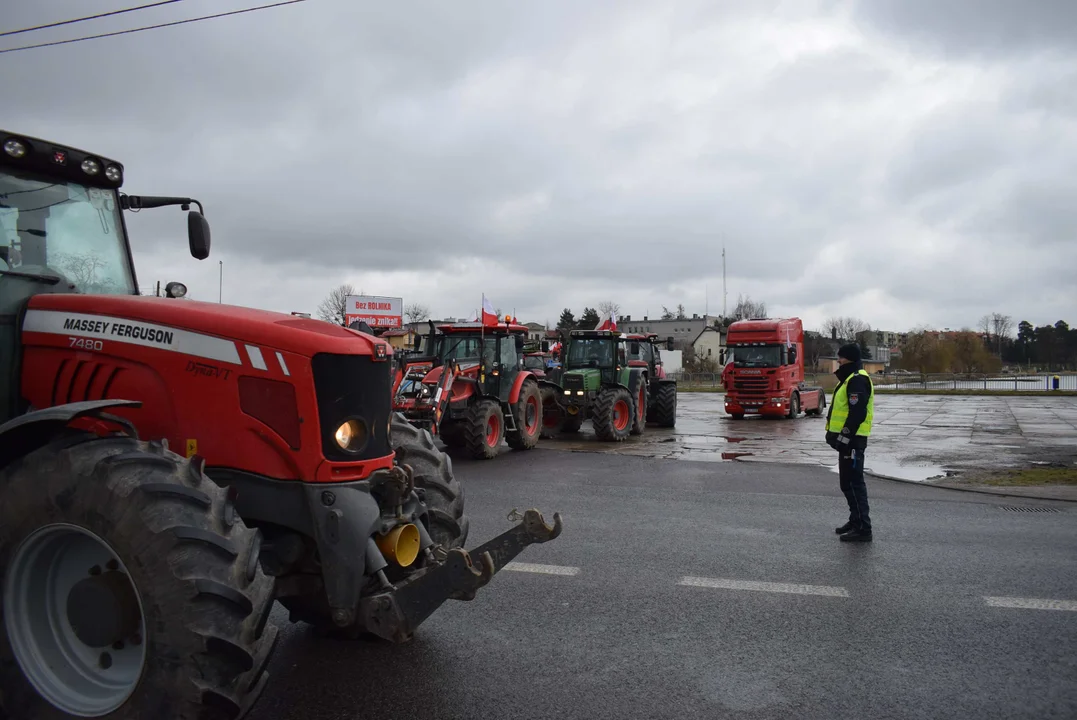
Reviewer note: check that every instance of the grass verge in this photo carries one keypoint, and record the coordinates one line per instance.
(1038, 476)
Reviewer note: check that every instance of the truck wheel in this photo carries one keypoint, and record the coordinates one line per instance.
(665, 406)
(130, 586)
(432, 469)
(794, 406)
(484, 429)
(527, 415)
(612, 415)
(818, 409)
(553, 415)
(639, 414)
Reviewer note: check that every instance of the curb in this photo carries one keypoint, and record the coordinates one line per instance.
(980, 491)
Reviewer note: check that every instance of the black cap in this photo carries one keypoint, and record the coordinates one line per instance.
(850, 352)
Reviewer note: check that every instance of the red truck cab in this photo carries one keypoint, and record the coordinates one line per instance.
(767, 377)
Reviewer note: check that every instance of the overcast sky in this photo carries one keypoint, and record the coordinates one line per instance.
(905, 161)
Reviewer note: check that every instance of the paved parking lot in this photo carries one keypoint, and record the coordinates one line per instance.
(915, 436)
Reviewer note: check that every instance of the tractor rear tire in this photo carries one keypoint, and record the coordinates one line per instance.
(639, 415)
(141, 535)
(527, 416)
(612, 414)
(665, 405)
(553, 415)
(432, 470)
(484, 429)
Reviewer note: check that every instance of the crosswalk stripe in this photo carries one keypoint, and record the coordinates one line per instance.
(1031, 603)
(544, 569)
(794, 589)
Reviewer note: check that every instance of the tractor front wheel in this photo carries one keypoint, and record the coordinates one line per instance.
(528, 417)
(484, 430)
(130, 585)
(432, 471)
(613, 414)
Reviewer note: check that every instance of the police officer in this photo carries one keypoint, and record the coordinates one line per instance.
(848, 426)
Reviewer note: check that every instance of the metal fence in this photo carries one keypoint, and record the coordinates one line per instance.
(913, 381)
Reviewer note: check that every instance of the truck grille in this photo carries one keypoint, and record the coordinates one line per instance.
(751, 386)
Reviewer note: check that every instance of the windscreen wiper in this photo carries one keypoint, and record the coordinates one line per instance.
(50, 279)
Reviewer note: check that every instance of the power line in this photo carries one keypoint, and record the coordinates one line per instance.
(152, 27)
(88, 17)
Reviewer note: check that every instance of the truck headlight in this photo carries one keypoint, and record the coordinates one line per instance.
(352, 435)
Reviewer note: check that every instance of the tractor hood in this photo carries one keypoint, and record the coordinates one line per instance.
(302, 336)
(470, 369)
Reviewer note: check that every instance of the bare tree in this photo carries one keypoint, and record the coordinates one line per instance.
(334, 307)
(667, 314)
(1001, 327)
(414, 312)
(610, 308)
(848, 329)
(748, 309)
(682, 314)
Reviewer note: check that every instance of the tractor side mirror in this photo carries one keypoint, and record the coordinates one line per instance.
(669, 343)
(792, 354)
(545, 346)
(633, 348)
(198, 235)
(519, 343)
(417, 343)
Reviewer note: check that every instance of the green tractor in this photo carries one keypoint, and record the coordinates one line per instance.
(598, 380)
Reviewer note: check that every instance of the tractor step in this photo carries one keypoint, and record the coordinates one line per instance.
(510, 418)
(394, 615)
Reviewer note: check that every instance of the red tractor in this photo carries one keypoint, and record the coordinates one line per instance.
(471, 388)
(170, 468)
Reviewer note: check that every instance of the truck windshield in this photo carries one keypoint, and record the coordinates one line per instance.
(758, 356)
(590, 352)
(56, 229)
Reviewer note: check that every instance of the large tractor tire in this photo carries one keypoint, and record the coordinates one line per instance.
(432, 470)
(665, 405)
(527, 416)
(639, 408)
(131, 587)
(612, 414)
(553, 415)
(484, 429)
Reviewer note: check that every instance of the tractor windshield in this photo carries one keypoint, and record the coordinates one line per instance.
(467, 349)
(758, 356)
(590, 352)
(63, 232)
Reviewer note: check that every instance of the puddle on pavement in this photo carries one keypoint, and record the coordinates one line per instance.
(889, 468)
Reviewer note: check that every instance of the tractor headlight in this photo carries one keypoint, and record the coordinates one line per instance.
(352, 435)
(113, 173)
(14, 148)
(91, 166)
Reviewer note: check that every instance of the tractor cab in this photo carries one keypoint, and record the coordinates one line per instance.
(592, 357)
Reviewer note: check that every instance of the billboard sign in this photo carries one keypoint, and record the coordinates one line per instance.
(377, 312)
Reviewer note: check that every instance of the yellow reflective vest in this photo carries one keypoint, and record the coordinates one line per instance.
(839, 407)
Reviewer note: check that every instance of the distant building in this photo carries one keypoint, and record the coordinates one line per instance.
(536, 332)
(710, 345)
(684, 331)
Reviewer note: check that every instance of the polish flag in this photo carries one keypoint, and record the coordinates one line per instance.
(489, 315)
(607, 323)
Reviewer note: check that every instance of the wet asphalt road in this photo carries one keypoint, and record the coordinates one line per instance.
(898, 628)
(914, 436)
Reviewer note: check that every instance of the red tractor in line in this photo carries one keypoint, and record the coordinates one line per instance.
(470, 386)
(171, 468)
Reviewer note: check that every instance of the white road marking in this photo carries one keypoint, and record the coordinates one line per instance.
(1031, 603)
(255, 354)
(727, 584)
(544, 569)
(283, 365)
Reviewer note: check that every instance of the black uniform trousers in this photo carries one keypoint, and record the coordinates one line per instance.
(851, 480)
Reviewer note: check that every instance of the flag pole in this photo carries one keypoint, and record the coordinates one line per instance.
(482, 340)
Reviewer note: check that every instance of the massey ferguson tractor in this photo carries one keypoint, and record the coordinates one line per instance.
(470, 387)
(170, 468)
(598, 380)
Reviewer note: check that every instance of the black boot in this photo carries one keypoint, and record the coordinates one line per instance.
(856, 535)
(845, 528)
